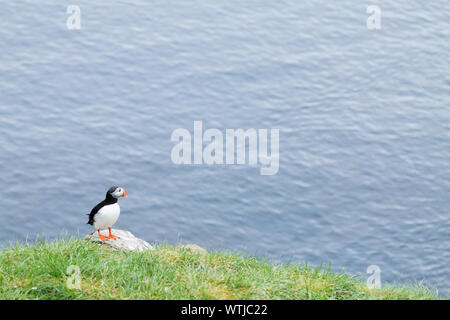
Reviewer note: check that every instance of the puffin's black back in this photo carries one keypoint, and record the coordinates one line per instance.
(109, 199)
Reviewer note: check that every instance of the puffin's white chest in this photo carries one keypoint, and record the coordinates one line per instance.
(107, 216)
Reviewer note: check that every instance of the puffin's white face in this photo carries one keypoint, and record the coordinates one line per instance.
(119, 192)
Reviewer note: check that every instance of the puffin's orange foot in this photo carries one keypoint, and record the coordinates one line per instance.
(111, 236)
(102, 237)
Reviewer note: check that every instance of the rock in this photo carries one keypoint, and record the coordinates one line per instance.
(193, 248)
(126, 242)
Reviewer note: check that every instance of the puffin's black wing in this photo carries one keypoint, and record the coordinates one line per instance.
(94, 212)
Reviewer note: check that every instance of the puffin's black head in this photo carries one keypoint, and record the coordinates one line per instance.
(116, 192)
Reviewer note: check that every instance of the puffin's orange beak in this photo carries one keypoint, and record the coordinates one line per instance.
(125, 193)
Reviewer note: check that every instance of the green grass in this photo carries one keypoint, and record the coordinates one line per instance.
(39, 271)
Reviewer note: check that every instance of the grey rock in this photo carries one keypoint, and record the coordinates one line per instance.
(126, 241)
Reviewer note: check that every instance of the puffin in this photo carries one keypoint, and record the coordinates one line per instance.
(106, 213)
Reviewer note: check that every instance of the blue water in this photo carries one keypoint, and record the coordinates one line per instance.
(364, 120)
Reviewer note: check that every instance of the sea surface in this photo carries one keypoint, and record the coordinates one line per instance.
(363, 116)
